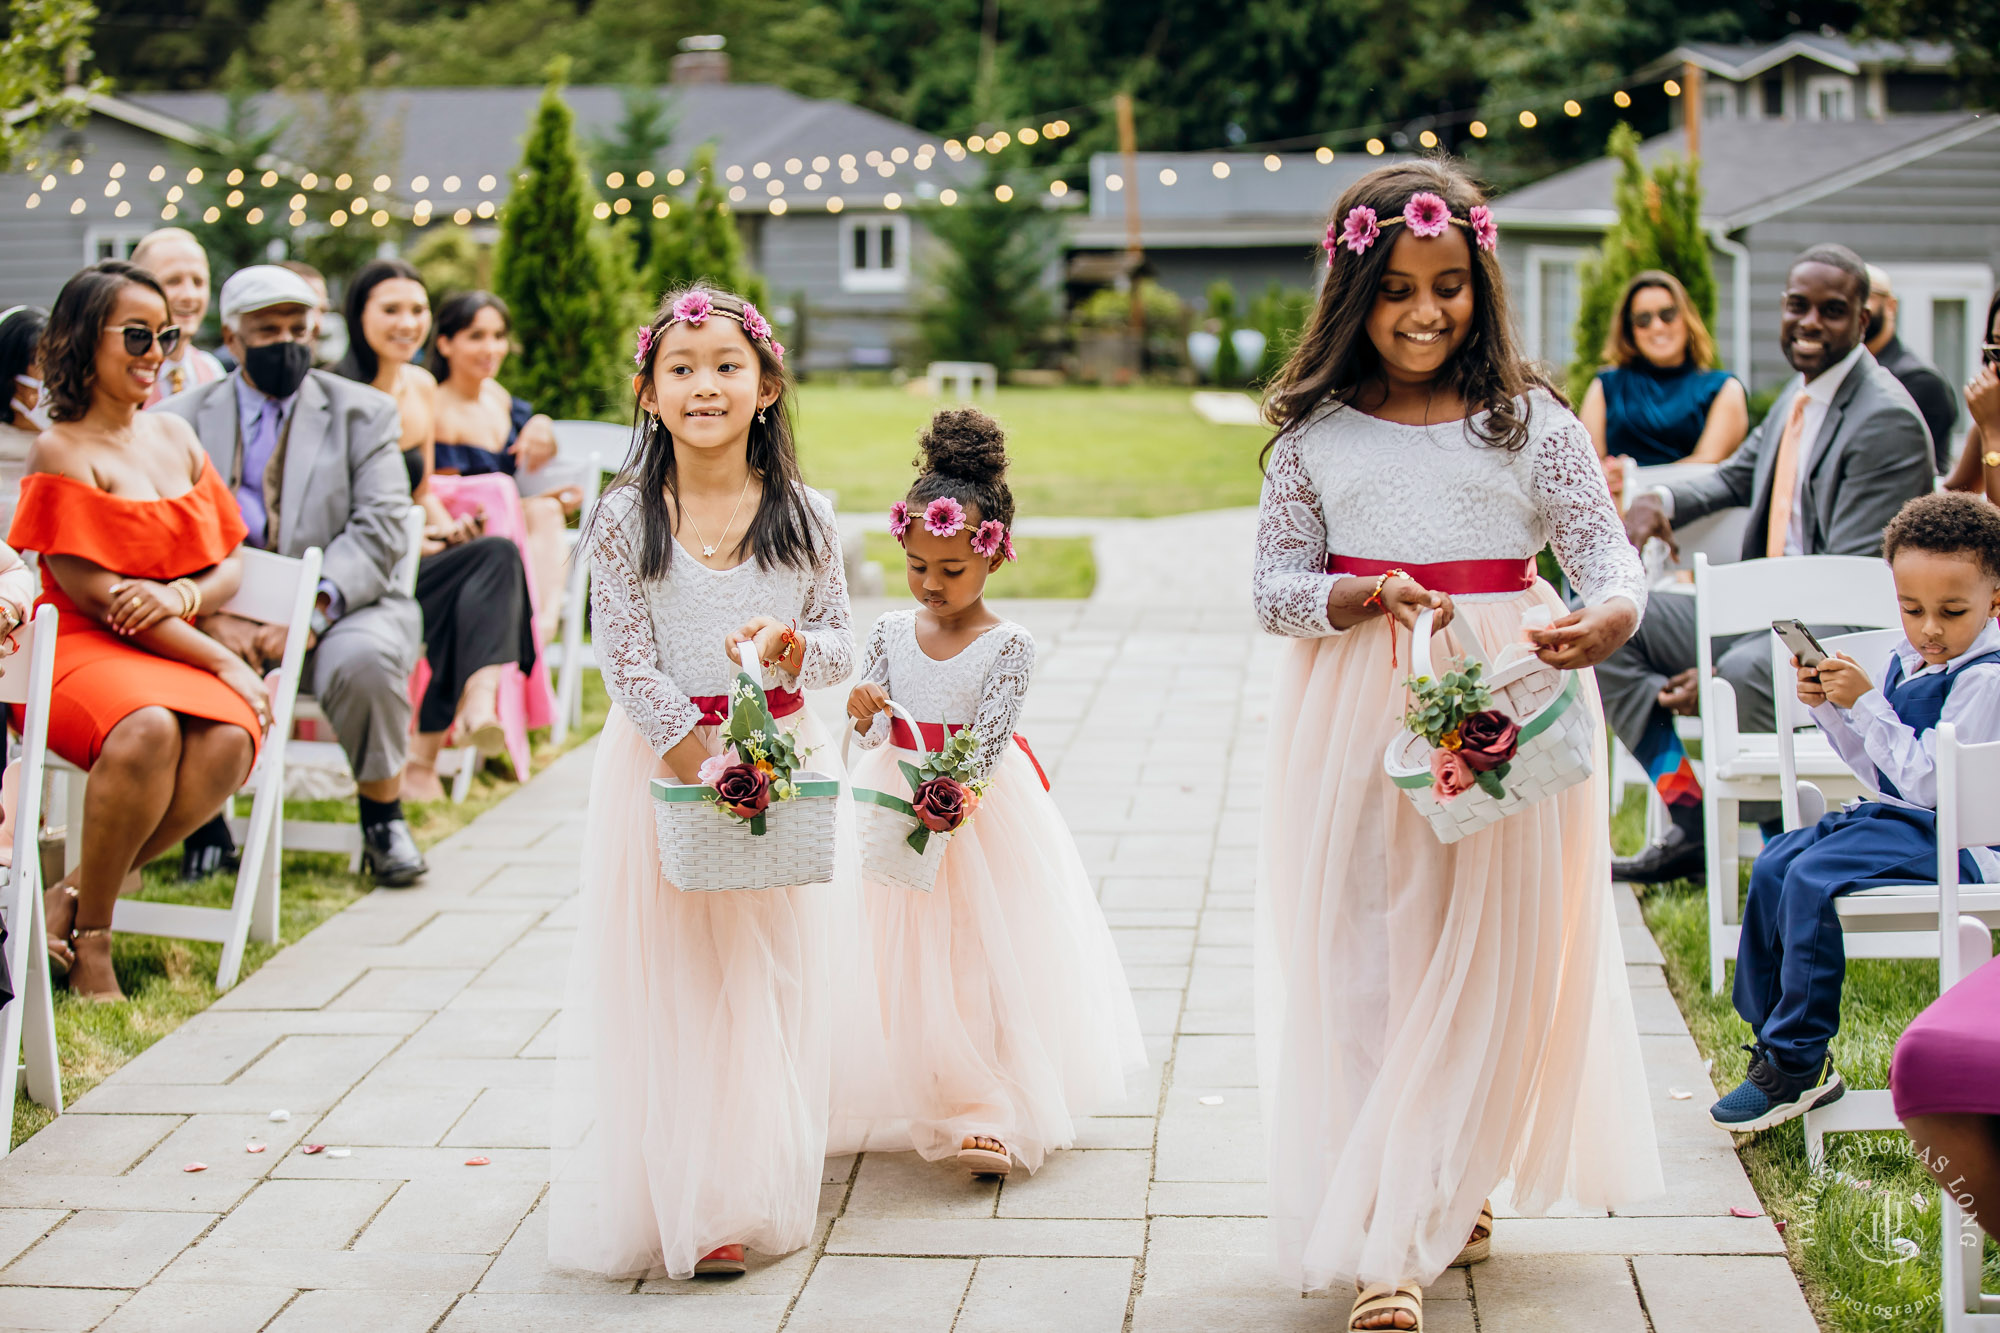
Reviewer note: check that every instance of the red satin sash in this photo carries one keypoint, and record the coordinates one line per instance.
(933, 736)
(715, 707)
(1458, 577)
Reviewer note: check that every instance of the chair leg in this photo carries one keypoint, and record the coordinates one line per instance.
(38, 1017)
(1711, 825)
(461, 783)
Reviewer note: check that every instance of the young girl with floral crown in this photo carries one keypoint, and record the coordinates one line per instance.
(1002, 998)
(691, 1088)
(1433, 1019)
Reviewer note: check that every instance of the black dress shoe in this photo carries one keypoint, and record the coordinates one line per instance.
(1674, 856)
(209, 850)
(390, 854)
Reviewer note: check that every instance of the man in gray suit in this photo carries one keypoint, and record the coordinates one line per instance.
(1841, 451)
(315, 460)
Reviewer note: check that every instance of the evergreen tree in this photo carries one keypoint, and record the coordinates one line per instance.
(1658, 226)
(627, 161)
(698, 241)
(988, 300)
(552, 270)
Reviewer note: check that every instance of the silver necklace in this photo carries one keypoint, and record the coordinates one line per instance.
(709, 549)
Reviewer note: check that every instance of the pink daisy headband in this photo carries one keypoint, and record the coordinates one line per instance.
(945, 517)
(1425, 215)
(694, 309)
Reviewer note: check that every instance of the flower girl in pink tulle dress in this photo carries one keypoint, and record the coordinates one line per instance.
(1002, 997)
(1434, 1019)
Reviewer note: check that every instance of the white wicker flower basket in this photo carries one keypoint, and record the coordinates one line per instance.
(885, 821)
(704, 849)
(1555, 741)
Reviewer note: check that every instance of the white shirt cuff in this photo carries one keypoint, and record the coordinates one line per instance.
(1666, 499)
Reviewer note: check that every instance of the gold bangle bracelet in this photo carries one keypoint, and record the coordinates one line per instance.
(1991, 458)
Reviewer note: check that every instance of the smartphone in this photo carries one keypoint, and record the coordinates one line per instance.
(1800, 640)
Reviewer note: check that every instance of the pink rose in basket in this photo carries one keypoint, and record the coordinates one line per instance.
(712, 769)
(1450, 775)
(1487, 740)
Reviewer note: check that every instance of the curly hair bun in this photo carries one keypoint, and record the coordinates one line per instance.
(964, 442)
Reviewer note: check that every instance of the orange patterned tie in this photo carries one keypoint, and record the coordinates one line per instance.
(1785, 477)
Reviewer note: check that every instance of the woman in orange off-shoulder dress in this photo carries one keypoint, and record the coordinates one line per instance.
(136, 533)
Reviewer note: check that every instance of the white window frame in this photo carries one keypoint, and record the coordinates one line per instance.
(1816, 84)
(895, 277)
(1540, 257)
(1918, 287)
(124, 237)
(1719, 103)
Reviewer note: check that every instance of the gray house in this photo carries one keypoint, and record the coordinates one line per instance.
(1917, 194)
(1813, 76)
(823, 190)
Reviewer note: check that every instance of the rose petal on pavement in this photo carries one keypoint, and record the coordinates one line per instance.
(1744, 1212)
(1679, 1094)
(254, 1146)
(479, 1161)
(1780, 1226)
(312, 1148)
(195, 1166)
(280, 1116)
(340, 1152)
(1211, 1101)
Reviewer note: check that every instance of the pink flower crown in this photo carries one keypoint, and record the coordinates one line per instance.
(945, 517)
(694, 309)
(1425, 215)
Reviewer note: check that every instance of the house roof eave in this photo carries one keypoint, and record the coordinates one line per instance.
(1861, 171)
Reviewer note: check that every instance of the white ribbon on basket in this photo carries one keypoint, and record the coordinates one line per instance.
(1520, 650)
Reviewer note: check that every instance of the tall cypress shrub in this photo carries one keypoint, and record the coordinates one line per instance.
(698, 239)
(986, 297)
(1658, 226)
(553, 271)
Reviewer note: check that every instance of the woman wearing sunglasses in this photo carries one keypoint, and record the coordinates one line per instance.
(1659, 399)
(1978, 467)
(137, 534)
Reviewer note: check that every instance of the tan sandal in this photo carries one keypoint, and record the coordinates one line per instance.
(94, 933)
(62, 953)
(1478, 1248)
(1407, 1299)
(985, 1161)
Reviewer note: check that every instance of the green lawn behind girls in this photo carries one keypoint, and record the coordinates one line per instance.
(1822, 1211)
(1132, 453)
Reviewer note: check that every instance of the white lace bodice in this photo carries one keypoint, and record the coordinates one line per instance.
(1345, 483)
(983, 687)
(659, 642)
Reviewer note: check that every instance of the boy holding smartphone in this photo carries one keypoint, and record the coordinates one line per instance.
(1944, 550)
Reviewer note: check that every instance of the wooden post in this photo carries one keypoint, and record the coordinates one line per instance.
(1135, 250)
(1691, 107)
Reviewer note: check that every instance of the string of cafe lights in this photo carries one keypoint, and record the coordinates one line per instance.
(377, 205)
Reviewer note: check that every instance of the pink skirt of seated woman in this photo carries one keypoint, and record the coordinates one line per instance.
(526, 702)
(1948, 1061)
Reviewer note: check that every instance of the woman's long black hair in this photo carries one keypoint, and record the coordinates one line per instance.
(1335, 359)
(361, 362)
(783, 531)
(20, 332)
(76, 323)
(454, 317)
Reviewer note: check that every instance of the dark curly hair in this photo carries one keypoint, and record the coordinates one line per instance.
(1334, 360)
(76, 326)
(963, 454)
(1947, 523)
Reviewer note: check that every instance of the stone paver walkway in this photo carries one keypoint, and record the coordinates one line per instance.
(414, 1030)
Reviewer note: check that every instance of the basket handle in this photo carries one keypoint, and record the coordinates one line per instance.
(1420, 647)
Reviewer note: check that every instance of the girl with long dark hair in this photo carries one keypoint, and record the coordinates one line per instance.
(692, 1062)
(1433, 1019)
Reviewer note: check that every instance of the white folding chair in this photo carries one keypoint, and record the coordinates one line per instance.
(1904, 920)
(277, 590)
(1740, 766)
(28, 1020)
(596, 447)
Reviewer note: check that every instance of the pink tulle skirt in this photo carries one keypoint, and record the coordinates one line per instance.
(692, 1056)
(1003, 1004)
(1432, 1020)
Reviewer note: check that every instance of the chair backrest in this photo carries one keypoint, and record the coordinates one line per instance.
(1968, 816)
(1869, 647)
(16, 669)
(605, 443)
(1818, 589)
(404, 575)
(270, 590)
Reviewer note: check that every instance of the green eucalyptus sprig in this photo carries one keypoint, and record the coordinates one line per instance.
(1439, 704)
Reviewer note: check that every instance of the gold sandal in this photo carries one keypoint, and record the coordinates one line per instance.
(1478, 1248)
(1406, 1299)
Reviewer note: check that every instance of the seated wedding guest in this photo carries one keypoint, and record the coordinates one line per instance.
(20, 379)
(1933, 396)
(137, 533)
(1835, 459)
(1660, 398)
(1945, 1079)
(176, 258)
(311, 460)
(332, 332)
(498, 432)
(478, 619)
(1978, 467)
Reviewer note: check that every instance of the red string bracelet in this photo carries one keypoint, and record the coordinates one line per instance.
(1375, 599)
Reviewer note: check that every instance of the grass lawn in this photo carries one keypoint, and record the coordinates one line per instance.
(1138, 452)
(1048, 567)
(167, 981)
(1871, 1189)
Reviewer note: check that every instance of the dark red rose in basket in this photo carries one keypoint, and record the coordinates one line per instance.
(942, 804)
(744, 790)
(1488, 739)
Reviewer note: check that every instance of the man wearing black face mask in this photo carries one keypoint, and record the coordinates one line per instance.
(314, 460)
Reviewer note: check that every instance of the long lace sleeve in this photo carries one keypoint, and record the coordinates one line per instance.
(827, 626)
(1000, 699)
(1576, 509)
(875, 671)
(622, 637)
(1290, 584)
